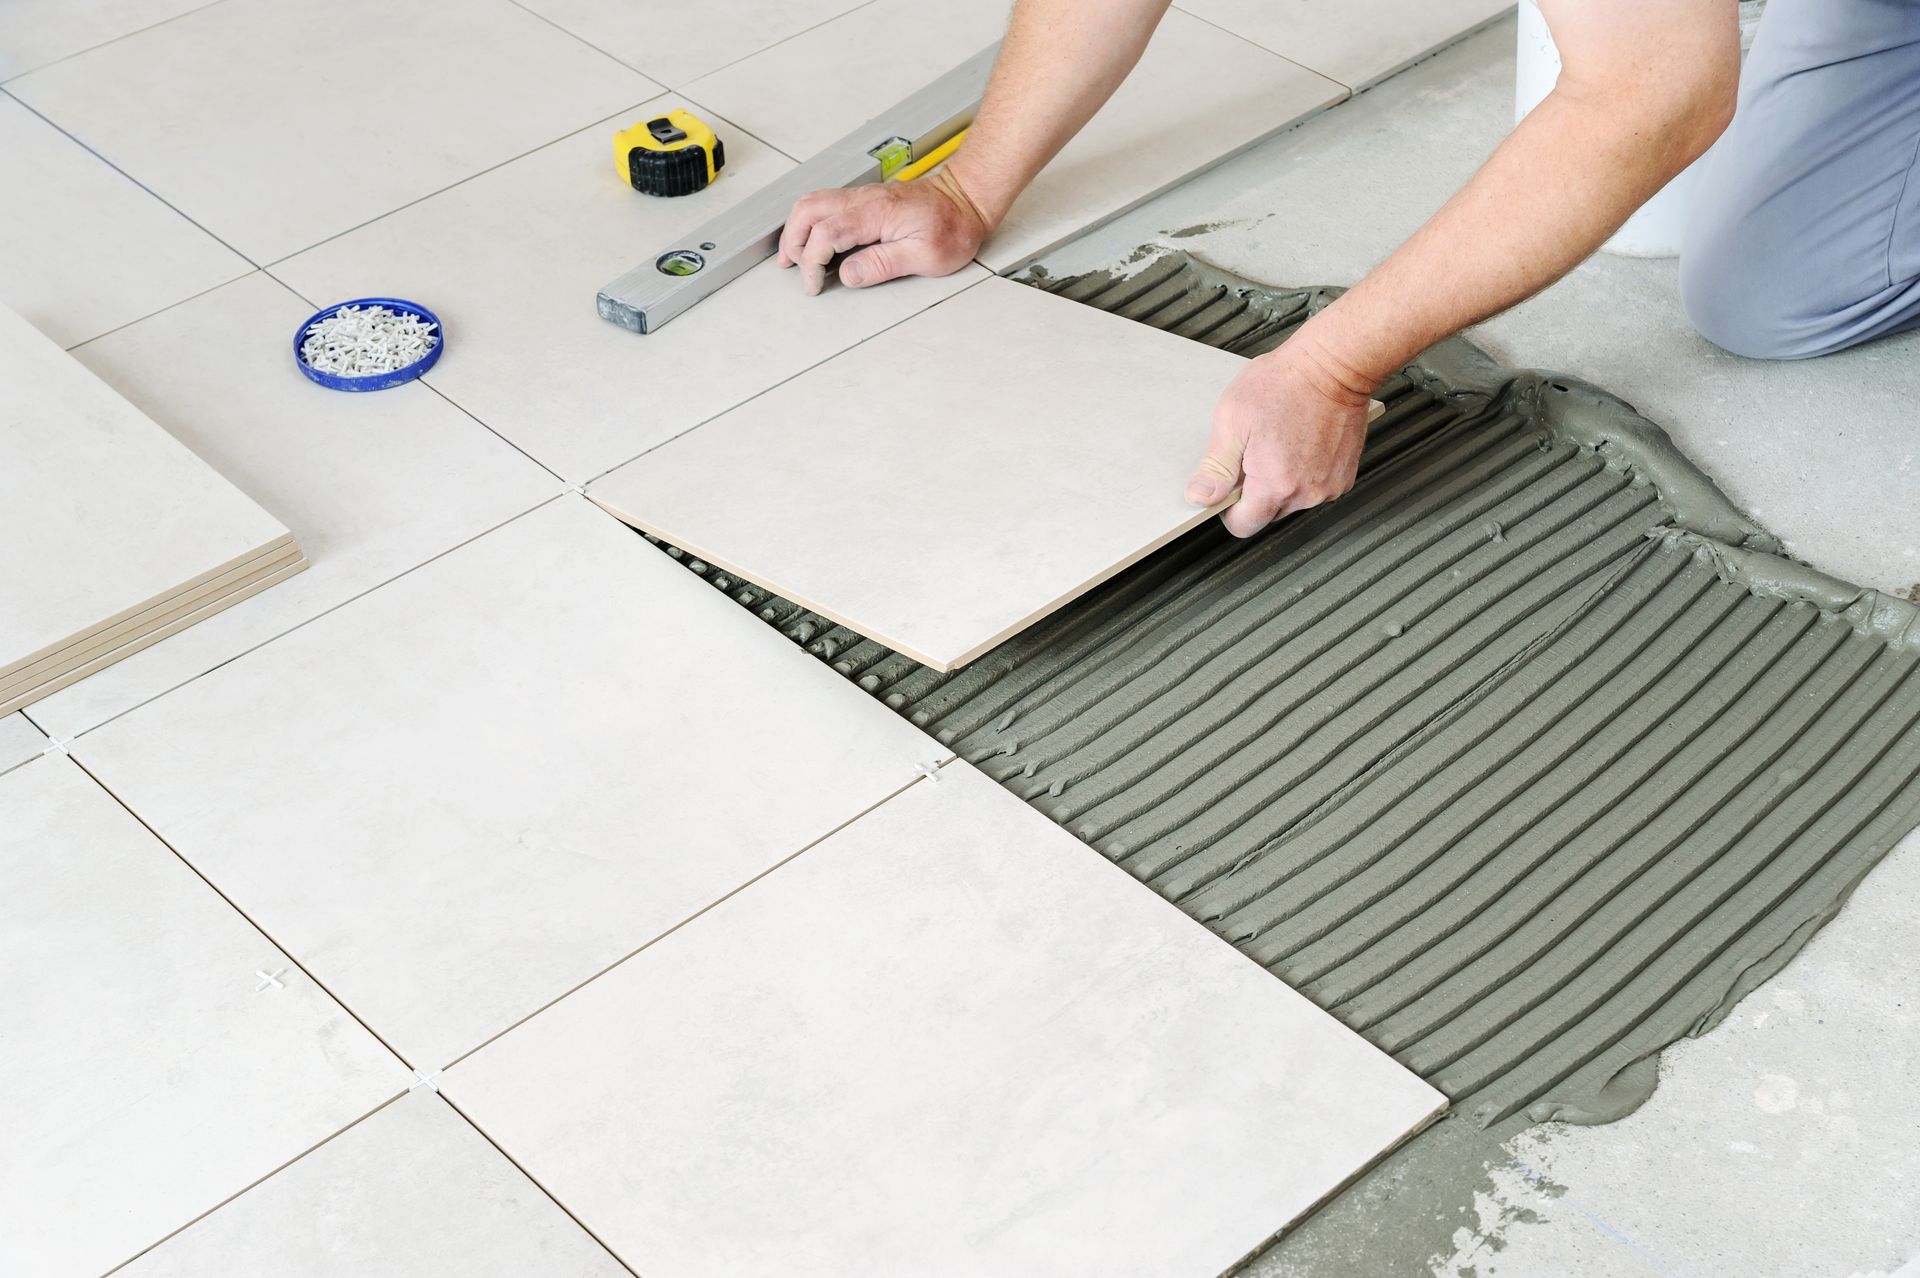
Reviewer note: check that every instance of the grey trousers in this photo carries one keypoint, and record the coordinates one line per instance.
(1804, 234)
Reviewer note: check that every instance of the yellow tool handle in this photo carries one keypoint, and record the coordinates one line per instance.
(911, 171)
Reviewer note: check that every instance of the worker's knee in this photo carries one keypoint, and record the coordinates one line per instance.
(1743, 294)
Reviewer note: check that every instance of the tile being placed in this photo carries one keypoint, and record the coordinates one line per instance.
(462, 794)
(372, 484)
(152, 1069)
(654, 37)
(1355, 44)
(36, 32)
(1198, 96)
(952, 481)
(413, 1189)
(90, 250)
(275, 126)
(949, 1039)
(512, 262)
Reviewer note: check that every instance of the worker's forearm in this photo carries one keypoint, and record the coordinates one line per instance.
(1059, 63)
(1560, 184)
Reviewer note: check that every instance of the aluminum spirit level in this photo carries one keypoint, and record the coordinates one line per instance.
(721, 251)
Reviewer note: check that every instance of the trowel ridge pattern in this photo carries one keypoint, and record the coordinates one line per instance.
(1525, 759)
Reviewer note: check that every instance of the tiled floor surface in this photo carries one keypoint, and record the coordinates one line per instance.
(1782, 1143)
(363, 826)
(307, 961)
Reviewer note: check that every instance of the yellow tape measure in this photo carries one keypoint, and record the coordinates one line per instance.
(671, 154)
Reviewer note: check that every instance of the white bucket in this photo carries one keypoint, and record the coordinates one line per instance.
(1656, 227)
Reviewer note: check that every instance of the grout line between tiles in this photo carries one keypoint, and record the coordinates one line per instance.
(554, 141)
(577, 38)
(252, 270)
(52, 124)
(1354, 90)
(1272, 53)
(534, 1180)
(266, 271)
(855, 8)
(310, 620)
(205, 4)
(884, 799)
(1442, 46)
(783, 381)
(251, 922)
(245, 1189)
(737, 127)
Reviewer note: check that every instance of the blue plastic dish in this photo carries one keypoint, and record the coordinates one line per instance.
(377, 381)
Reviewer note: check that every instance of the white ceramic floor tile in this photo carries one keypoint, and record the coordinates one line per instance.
(91, 250)
(512, 260)
(146, 1078)
(654, 37)
(36, 32)
(1198, 96)
(462, 794)
(952, 481)
(102, 512)
(371, 484)
(413, 1190)
(277, 125)
(948, 1040)
(1356, 44)
(806, 93)
(19, 740)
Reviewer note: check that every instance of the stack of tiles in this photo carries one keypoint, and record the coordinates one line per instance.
(114, 534)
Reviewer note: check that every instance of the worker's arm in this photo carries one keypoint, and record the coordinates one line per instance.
(1060, 61)
(1645, 87)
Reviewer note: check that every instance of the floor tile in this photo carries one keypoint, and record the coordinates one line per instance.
(512, 261)
(371, 484)
(275, 126)
(806, 93)
(411, 1190)
(151, 1071)
(1024, 447)
(1225, 95)
(91, 250)
(103, 513)
(1220, 92)
(1355, 44)
(19, 740)
(462, 794)
(652, 36)
(949, 1039)
(36, 32)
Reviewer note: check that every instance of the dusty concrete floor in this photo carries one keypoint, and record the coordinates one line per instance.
(1786, 1141)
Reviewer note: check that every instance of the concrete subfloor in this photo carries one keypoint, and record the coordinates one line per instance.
(1787, 1140)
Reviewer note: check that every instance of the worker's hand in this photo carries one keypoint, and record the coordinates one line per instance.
(924, 227)
(1288, 433)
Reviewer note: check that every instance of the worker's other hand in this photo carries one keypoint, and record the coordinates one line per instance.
(1287, 433)
(924, 227)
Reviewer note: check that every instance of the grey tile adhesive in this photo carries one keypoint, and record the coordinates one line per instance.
(1523, 760)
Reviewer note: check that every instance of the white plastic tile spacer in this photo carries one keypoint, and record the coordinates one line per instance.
(58, 747)
(931, 771)
(574, 490)
(269, 980)
(423, 1081)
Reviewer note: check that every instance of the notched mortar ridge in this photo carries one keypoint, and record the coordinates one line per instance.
(1572, 409)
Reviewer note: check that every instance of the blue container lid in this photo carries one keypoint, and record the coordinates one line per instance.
(375, 381)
